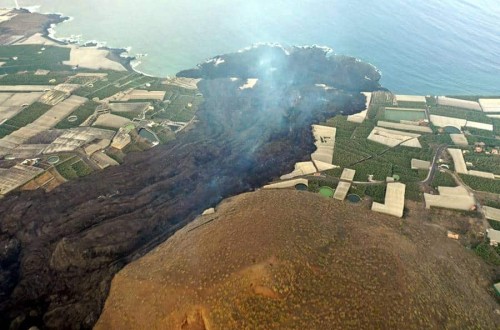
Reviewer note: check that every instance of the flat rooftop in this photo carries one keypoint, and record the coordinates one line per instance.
(342, 190)
(325, 143)
(491, 213)
(394, 200)
(454, 198)
(418, 164)
(458, 160)
(458, 103)
(490, 105)
(393, 138)
(404, 127)
(411, 98)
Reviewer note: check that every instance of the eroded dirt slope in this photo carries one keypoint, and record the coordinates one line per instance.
(287, 259)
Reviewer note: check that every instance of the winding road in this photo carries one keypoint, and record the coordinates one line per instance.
(432, 170)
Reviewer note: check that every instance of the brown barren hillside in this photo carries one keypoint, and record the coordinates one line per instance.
(287, 259)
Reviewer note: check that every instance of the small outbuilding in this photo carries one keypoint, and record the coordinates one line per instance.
(493, 236)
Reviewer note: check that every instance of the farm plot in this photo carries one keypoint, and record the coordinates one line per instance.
(30, 78)
(32, 57)
(180, 107)
(73, 168)
(12, 103)
(24, 117)
(82, 113)
(460, 113)
(111, 121)
(60, 111)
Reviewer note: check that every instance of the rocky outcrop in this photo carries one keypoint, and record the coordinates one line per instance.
(68, 244)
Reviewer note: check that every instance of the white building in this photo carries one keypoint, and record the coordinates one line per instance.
(454, 198)
(394, 200)
(493, 236)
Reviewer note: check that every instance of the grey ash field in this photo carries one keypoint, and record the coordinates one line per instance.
(100, 164)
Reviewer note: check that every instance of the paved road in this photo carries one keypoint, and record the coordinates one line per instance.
(432, 171)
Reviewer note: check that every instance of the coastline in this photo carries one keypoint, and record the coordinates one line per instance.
(116, 54)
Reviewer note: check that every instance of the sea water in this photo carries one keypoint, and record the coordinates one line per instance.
(421, 47)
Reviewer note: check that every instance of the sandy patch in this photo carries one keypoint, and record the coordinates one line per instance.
(110, 120)
(37, 39)
(411, 98)
(6, 15)
(92, 58)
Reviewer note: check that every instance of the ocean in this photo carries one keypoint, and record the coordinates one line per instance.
(440, 47)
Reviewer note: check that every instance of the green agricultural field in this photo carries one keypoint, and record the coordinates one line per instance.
(133, 81)
(362, 131)
(114, 78)
(164, 134)
(28, 115)
(494, 224)
(496, 126)
(82, 80)
(83, 112)
(32, 79)
(177, 108)
(343, 156)
(379, 169)
(6, 130)
(430, 140)
(353, 150)
(483, 162)
(344, 127)
(32, 58)
(443, 179)
(413, 192)
(481, 184)
(492, 203)
(128, 114)
(23, 118)
(416, 105)
(480, 133)
(81, 168)
(66, 170)
(488, 253)
(461, 113)
(73, 168)
(489, 141)
(376, 192)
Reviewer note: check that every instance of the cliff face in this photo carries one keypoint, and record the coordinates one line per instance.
(61, 249)
(288, 259)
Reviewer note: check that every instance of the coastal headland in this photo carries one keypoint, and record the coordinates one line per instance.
(100, 164)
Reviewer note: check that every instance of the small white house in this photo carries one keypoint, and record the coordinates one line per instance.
(494, 236)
